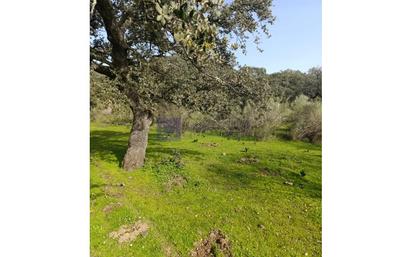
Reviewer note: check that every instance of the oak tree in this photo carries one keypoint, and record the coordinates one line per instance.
(131, 39)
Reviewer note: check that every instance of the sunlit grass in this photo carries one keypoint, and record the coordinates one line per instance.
(247, 199)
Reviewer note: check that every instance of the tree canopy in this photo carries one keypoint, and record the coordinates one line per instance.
(128, 35)
(158, 51)
(289, 84)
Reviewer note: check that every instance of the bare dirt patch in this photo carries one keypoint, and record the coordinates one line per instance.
(129, 233)
(265, 172)
(216, 244)
(106, 176)
(110, 207)
(210, 144)
(177, 181)
(168, 248)
(169, 251)
(113, 191)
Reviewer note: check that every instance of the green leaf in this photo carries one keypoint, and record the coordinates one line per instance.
(179, 36)
(158, 8)
(178, 13)
(184, 7)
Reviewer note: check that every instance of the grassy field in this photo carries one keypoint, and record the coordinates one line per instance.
(265, 197)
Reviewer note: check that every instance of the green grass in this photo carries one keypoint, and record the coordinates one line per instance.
(248, 202)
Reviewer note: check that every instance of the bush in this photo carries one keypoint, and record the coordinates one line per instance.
(300, 120)
(200, 122)
(306, 120)
(107, 104)
(257, 122)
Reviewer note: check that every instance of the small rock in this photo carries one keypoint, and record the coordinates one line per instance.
(289, 183)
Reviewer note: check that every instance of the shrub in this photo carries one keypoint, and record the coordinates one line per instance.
(306, 120)
(257, 122)
(107, 104)
(200, 122)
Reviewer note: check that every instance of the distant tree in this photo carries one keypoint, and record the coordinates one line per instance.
(128, 37)
(314, 87)
(289, 84)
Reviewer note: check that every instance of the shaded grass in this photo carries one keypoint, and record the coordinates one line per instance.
(248, 202)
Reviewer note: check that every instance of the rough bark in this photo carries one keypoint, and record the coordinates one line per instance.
(115, 34)
(139, 134)
(136, 150)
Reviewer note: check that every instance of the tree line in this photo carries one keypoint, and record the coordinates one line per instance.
(285, 103)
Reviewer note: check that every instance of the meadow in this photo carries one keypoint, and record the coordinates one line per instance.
(263, 196)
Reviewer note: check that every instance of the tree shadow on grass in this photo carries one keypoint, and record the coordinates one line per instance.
(95, 185)
(235, 177)
(108, 144)
(103, 185)
(111, 146)
(305, 146)
(151, 150)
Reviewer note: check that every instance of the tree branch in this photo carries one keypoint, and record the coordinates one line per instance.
(114, 34)
(93, 5)
(104, 70)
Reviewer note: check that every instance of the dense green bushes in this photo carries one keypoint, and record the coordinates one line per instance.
(302, 120)
(107, 104)
(306, 120)
(297, 119)
(256, 122)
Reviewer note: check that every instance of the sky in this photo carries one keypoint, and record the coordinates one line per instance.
(296, 41)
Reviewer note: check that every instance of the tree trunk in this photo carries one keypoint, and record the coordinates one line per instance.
(136, 150)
